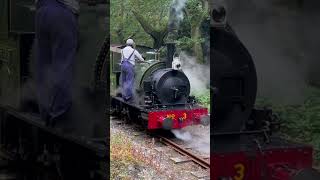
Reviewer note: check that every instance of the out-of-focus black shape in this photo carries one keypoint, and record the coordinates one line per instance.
(307, 174)
(234, 75)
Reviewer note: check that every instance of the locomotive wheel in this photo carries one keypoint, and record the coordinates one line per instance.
(101, 68)
(126, 115)
(28, 92)
(32, 61)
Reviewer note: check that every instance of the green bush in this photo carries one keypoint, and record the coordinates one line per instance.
(187, 43)
(203, 98)
(300, 122)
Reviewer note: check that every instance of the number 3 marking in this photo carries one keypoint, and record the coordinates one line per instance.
(240, 171)
(184, 116)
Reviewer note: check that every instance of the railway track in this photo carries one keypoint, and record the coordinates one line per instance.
(198, 160)
(174, 153)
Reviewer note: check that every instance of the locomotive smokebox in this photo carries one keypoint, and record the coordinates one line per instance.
(171, 48)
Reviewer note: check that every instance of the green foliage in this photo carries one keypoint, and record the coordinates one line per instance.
(300, 122)
(198, 10)
(124, 25)
(156, 12)
(203, 97)
(147, 20)
(186, 43)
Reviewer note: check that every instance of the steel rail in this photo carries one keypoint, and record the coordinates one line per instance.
(185, 152)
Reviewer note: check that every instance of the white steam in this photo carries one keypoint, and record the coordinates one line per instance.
(195, 137)
(183, 135)
(178, 6)
(198, 74)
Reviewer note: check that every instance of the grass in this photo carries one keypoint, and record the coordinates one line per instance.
(125, 154)
(121, 156)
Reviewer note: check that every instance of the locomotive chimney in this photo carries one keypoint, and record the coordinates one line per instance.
(172, 35)
(170, 53)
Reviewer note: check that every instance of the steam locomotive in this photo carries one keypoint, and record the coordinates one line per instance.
(162, 94)
(245, 143)
(33, 149)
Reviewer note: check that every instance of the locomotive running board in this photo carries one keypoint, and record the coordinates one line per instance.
(142, 107)
(127, 103)
(34, 119)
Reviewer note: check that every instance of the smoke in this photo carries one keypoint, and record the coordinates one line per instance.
(88, 112)
(198, 74)
(183, 135)
(196, 137)
(138, 97)
(176, 12)
(86, 105)
(115, 91)
(281, 39)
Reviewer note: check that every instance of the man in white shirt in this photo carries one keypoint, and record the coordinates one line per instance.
(128, 56)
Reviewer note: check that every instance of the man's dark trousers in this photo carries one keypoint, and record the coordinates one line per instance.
(127, 80)
(56, 44)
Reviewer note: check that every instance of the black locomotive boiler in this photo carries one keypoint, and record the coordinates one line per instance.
(162, 94)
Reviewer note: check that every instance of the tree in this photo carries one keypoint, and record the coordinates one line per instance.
(197, 11)
(123, 24)
(118, 15)
(148, 22)
(152, 15)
